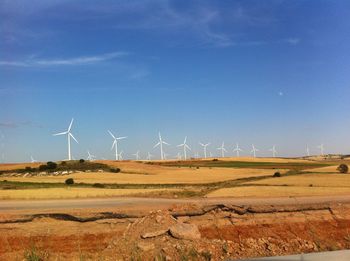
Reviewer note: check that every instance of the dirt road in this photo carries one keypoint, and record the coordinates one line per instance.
(13, 206)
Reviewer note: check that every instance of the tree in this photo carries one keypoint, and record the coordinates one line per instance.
(343, 168)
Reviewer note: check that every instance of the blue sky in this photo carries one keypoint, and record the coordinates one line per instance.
(263, 72)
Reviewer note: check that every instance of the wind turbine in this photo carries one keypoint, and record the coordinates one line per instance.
(115, 144)
(307, 151)
(32, 160)
(223, 150)
(69, 135)
(160, 143)
(137, 155)
(165, 155)
(237, 149)
(210, 154)
(204, 148)
(321, 147)
(254, 150)
(90, 156)
(185, 146)
(120, 155)
(273, 150)
(178, 156)
(149, 156)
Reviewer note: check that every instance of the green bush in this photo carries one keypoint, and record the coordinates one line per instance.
(51, 165)
(215, 160)
(81, 161)
(43, 167)
(277, 174)
(63, 163)
(117, 170)
(69, 181)
(343, 168)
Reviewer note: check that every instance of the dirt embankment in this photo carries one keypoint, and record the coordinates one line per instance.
(214, 232)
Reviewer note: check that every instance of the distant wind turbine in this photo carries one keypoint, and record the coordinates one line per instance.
(204, 148)
(69, 135)
(32, 160)
(137, 155)
(160, 143)
(210, 154)
(273, 150)
(254, 150)
(90, 156)
(321, 147)
(223, 150)
(149, 156)
(115, 144)
(179, 156)
(165, 155)
(307, 151)
(237, 149)
(120, 155)
(185, 146)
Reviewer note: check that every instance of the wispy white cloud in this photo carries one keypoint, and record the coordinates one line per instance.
(82, 60)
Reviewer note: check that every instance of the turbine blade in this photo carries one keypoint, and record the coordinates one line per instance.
(61, 133)
(70, 125)
(111, 134)
(165, 143)
(121, 138)
(156, 145)
(114, 142)
(188, 147)
(201, 144)
(73, 137)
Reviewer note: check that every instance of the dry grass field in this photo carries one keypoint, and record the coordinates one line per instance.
(164, 179)
(305, 180)
(278, 191)
(67, 193)
(156, 175)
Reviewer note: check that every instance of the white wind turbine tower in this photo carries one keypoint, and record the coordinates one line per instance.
(160, 143)
(69, 135)
(273, 150)
(307, 151)
(223, 150)
(32, 160)
(237, 149)
(204, 148)
(90, 156)
(185, 146)
(115, 144)
(254, 150)
(149, 156)
(321, 147)
(137, 155)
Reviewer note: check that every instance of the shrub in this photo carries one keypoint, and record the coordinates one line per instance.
(29, 169)
(117, 170)
(43, 167)
(343, 168)
(277, 174)
(81, 161)
(51, 165)
(63, 163)
(69, 181)
(98, 185)
(215, 160)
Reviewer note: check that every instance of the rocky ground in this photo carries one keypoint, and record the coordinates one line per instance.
(182, 232)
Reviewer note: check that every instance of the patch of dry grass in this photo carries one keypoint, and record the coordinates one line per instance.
(166, 175)
(278, 191)
(317, 180)
(67, 193)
